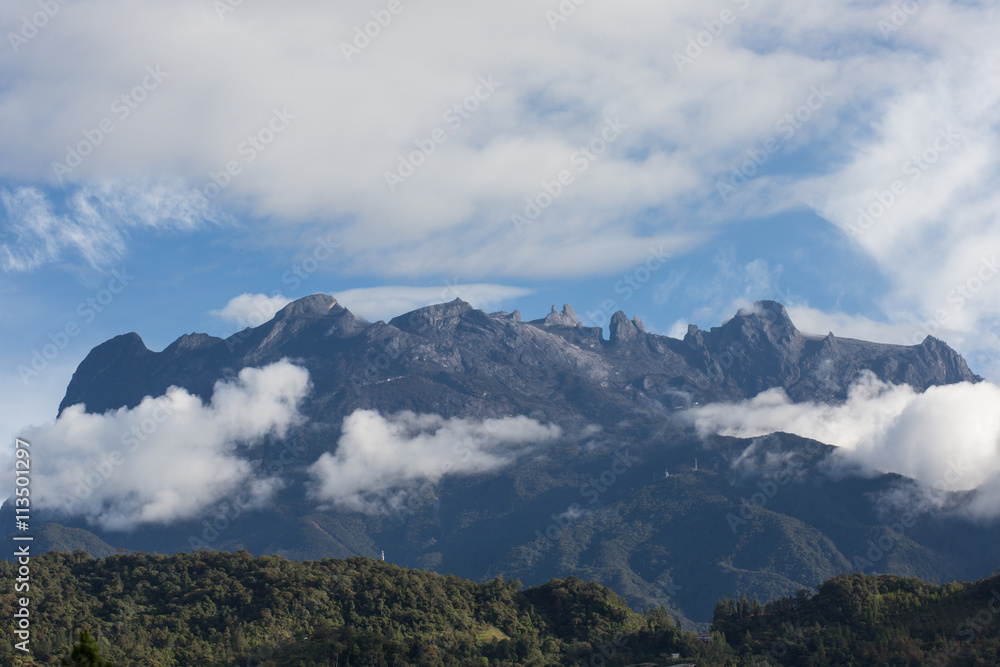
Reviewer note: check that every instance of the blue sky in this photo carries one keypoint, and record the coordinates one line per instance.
(841, 158)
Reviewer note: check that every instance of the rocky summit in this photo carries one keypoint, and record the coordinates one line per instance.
(447, 358)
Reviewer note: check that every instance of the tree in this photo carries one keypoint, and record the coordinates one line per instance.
(85, 653)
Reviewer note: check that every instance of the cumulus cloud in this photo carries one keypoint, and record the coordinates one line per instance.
(168, 458)
(251, 310)
(380, 460)
(947, 437)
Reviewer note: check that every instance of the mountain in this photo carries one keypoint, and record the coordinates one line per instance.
(444, 358)
(596, 502)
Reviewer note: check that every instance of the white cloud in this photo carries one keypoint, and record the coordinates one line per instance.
(94, 225)
(352, 121)
(384, 303)
(381, 460)
(251, 310)
(947, 437)
(168, 458)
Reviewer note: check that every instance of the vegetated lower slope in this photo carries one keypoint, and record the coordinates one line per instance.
(54, 537)
(869, 620)
(216, 608)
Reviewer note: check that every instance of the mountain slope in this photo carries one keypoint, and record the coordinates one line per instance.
(594, 503)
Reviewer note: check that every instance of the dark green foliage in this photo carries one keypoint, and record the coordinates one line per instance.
(218, 608)
(869, 620)
(85, 653)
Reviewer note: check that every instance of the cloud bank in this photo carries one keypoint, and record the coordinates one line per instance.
(380, 460)
(694, 115)
(170, 457)
(947, 437)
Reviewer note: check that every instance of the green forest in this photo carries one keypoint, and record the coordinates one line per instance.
(218, 608)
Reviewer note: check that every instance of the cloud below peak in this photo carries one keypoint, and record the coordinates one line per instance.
(380, 461)
(169, 458)
(947, 437)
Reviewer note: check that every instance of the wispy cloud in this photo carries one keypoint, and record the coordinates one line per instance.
(91, 223)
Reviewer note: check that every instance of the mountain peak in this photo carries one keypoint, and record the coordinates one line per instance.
(438, 316)
(623, 330)
(768, 317)
(567, 318)
(193, 341)
(314, 305)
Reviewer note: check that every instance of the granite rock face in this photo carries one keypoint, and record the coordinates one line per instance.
(455, 360)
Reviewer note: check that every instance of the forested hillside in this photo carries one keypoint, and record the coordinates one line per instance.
(217, 608)
(869, 620)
